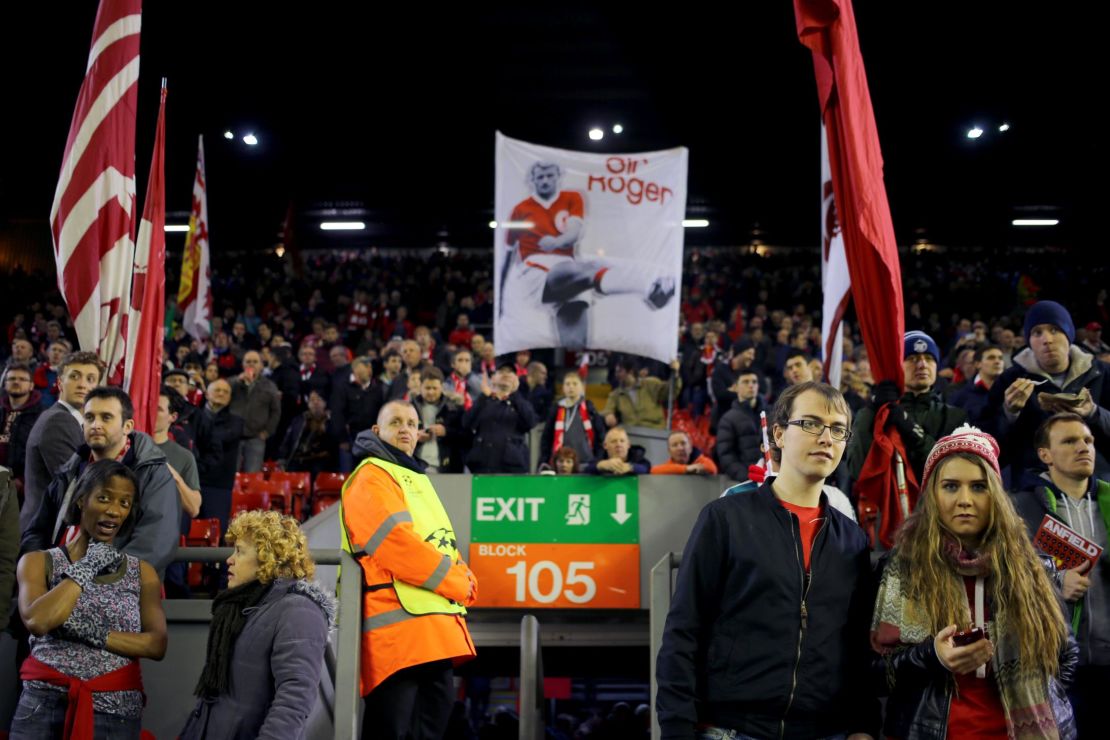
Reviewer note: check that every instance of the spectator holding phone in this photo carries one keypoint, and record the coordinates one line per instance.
(963, 562)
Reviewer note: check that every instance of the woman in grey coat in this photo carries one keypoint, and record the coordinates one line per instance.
(267, 639)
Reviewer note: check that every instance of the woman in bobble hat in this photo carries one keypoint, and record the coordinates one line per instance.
(961, 561)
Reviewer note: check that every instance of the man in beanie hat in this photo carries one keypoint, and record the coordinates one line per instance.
(1030, 391)
(1069, 492)
(920, 414)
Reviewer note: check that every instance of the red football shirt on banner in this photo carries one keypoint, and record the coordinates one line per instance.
(546, 220)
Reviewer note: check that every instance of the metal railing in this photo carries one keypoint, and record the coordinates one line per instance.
(662, 588)
(343, 666)
(531, 680)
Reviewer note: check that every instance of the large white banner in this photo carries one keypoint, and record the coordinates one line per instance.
(588, 249)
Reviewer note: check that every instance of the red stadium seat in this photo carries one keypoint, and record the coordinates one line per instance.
(323, 500)
(326, 491)
(249, 500)
(326, 482)
(300, 487)
(202, 533)
(246, 480)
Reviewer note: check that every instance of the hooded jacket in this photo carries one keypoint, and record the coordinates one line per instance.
(275, 668)
(1088, 519)
(1015, 435)
(150, 533)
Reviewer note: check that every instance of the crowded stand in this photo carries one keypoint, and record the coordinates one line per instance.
(341, 370)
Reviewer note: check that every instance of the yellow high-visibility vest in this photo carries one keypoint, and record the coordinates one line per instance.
(430, 522)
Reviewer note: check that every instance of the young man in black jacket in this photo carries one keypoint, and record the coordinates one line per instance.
(768, 630)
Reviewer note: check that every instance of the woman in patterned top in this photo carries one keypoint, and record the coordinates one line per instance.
(92, 613)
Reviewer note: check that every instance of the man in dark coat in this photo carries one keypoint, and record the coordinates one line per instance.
(57, 433)
(20, 407)
(920, 414)
(739, 434)
(499, 420)
(354, 407)
(217, 451)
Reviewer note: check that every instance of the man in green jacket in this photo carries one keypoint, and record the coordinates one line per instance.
(639, 402)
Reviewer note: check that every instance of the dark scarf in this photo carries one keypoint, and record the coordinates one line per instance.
(229, 615)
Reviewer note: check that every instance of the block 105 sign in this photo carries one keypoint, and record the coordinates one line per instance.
(556, 542)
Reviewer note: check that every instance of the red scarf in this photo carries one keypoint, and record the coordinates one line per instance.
(79, 711)
(560, 427)
(709, 359)
(459, 384)
(307, 371)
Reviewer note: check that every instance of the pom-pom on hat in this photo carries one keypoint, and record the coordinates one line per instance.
(967, 439)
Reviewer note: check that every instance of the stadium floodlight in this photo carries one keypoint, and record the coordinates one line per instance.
(342, 226)
(975, 133)
(228, 135)
(250, 140)
(1035, 221)
(618, 129)
(1004, 128)
(596, 134)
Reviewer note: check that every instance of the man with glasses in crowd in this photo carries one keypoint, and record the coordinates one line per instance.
(754, 645)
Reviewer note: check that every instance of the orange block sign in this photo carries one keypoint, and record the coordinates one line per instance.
(557, 576)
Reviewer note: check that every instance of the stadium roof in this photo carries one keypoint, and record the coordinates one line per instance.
(392, 108)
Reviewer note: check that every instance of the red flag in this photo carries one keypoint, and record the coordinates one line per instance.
(143, 377)
(194, 293)
(828, 28)
(91, 219)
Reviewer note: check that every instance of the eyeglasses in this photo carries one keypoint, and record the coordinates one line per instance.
(838, 432)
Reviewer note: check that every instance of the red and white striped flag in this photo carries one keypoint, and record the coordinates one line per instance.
(194, 294)
(143, 376)
(836, 285)
(93, 207)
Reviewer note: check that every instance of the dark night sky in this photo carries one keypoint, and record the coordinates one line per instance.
(396, 110)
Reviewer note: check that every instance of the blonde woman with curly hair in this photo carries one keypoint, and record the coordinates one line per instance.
(267, 638)
(972, 640)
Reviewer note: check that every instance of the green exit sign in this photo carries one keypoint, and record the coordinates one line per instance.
(570, 509)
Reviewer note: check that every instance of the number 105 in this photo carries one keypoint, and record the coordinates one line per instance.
(575, 577)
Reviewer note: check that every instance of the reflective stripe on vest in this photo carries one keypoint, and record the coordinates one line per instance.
(430, 521)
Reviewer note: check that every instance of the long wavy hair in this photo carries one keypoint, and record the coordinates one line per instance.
(1024, 603)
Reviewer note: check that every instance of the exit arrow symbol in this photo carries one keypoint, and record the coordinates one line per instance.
(621, 514)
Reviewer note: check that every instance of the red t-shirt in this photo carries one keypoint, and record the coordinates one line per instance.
(546, 220)
(810, 519)
(976, 709)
